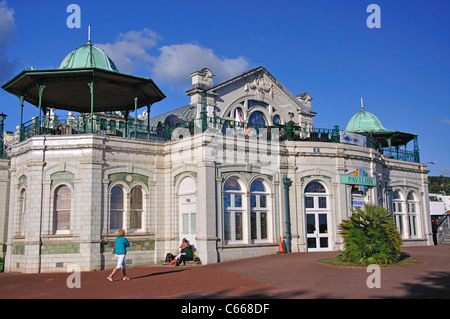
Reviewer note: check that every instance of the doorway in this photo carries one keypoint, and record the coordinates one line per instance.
(316, 217)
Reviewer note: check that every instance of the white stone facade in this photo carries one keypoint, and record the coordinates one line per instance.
(184, 191)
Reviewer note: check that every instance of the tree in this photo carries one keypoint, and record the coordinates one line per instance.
(439, 185)
(370, 236)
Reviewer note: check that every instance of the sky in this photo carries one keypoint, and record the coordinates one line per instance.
(322, 47)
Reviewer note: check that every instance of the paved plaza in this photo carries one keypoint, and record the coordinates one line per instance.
(281, 276)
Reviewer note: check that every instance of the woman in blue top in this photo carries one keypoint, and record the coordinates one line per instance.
(120, 249)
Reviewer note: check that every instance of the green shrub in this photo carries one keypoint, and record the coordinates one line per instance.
(370, 237)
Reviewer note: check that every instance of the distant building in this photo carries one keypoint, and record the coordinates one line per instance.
(439, 204)
(235, 170)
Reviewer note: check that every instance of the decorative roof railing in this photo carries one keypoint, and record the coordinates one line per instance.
(114, 125)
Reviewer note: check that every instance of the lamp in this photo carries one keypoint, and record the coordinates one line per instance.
(2, 118)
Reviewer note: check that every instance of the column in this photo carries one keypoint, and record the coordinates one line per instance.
(287, 183)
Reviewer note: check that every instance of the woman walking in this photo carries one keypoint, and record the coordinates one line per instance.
(120, 250)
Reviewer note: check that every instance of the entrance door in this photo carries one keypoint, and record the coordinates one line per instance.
(316, 212)
(317, 231)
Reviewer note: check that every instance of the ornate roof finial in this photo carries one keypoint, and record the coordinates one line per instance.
(89, 34)
(362, 104)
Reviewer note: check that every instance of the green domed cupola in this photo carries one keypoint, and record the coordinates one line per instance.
(364, 121)
(88, 56)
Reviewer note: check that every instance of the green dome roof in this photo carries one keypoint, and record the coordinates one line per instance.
(88, 56)
(364, 121)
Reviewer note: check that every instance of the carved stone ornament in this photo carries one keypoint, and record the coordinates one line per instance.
(259, 84)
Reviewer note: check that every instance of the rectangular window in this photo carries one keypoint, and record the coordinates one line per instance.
(322, 202)
(185, 223)
(238, 226)
(136, 219)
(237, 200)
(116, 221)
(227, 226)
(309, 202)
(253, 226)
(262, 201)
(193, 223)
(263, 225)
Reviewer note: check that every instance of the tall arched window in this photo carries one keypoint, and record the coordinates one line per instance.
(259, 211)
(412, 214)
(187, 205)
(397, 205)
(136, 203)
(116, 208)
(22, 211)
(62, 207)
(233, 210)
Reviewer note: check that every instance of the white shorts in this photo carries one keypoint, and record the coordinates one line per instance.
(121, 261)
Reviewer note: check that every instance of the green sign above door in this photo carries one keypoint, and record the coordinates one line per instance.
(358, 180)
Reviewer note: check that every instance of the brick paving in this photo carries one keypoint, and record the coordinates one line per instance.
(282, 276)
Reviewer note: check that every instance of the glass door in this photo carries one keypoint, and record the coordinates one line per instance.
(316, 212)
(317, 231)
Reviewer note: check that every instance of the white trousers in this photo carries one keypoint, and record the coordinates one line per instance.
(121, 261)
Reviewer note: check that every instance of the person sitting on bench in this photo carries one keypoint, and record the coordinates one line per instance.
(186, 254)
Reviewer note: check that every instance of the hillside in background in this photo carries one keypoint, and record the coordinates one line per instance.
(439, 185)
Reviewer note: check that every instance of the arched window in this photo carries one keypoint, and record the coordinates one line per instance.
(412, 214)
(233, 210)
(116, 208)
(276, 120)
(238, 115)
(259, 211)
(397, 206)
(315, 201)
(136, 203)
(62, 209)
(22, 211)
(257, 120)
(315, 187)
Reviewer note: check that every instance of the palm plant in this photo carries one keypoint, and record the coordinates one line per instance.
(370, 236)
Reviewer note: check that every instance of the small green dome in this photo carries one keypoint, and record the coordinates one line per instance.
(88, 56)
(364, 121)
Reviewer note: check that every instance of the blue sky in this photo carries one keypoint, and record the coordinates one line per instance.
(323, 47)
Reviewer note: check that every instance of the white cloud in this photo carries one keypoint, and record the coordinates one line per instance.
(445, 120)
(171, 64)
(176, 62)
(130, 51)
(7, 27)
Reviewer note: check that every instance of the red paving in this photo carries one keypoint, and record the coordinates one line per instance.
(287, 276)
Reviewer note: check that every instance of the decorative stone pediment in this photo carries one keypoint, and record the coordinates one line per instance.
(261, 85)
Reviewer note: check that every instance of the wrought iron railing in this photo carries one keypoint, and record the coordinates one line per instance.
(111, 125)
(443, 228)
